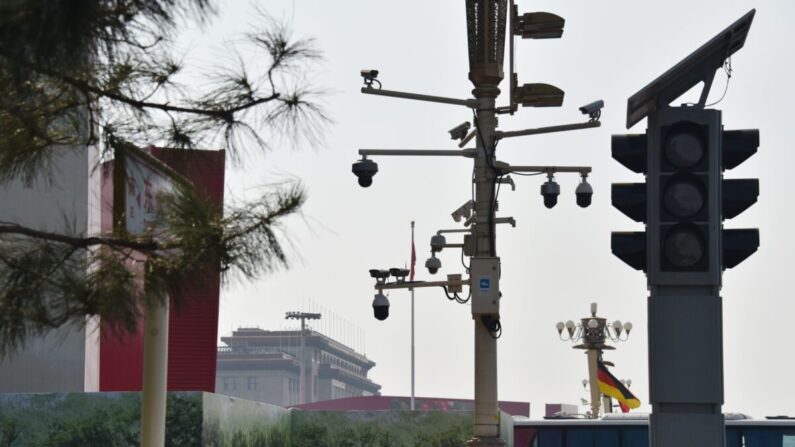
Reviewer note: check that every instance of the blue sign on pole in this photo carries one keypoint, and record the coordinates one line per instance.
(485, 284)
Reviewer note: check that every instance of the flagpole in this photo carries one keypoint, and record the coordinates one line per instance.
(412, 317)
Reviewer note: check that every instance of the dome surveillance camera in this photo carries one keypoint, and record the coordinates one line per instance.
(550, 190)
(584, 193)
(433, 264)
(365, 169)
(380, 306)
(438, 242)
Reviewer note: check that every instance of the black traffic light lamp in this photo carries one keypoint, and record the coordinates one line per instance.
(737, 195)
(690, 197)
(686, 212)
(631, 199)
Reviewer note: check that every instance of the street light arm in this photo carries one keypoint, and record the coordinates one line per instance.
(504, 220)
(456, 230)
(417, 284)
(468, 153)
(471, 103)
(549, 129)
(506, 169)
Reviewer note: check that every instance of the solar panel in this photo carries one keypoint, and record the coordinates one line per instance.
(699, 66)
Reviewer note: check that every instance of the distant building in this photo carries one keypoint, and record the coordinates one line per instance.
(265, 366)
(378, 403)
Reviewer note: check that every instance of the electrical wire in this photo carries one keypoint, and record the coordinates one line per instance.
(493, 202)
(527, 174)
(455, 296)
(727, 68)
(492, 325)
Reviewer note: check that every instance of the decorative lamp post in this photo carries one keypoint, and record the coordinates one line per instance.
(594, 332)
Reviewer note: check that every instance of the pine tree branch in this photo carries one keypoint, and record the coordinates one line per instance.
(84, 86)
(11, 228)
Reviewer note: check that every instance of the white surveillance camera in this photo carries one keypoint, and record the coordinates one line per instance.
(464, 211)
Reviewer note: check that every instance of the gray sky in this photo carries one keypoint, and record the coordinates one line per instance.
(556, 261)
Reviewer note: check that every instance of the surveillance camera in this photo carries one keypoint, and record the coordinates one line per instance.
(433, 264)
(437, 242)
(380, 306)
(379, 274)
(371, 74)
(365, 169)
(594, 109)
(550, 190)
(584, 193)
(464, 211)
(459, 132)
(370, 77)
(399, 272)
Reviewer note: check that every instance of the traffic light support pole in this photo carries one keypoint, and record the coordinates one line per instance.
(685, 367)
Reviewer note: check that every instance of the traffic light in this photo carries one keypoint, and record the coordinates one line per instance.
(685, 200)
(684, 190)
(630, 199)
(738, 195)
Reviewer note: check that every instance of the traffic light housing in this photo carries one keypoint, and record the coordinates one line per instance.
(684, 191)
(685, 199)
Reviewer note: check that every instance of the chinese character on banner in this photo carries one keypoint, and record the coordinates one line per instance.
(146, 183)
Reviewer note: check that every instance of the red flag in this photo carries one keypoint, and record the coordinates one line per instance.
(413, 254)
(624, 407)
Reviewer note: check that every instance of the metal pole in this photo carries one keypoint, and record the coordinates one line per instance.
(301, 381)
(593, 379)
(155, 375)
(406, 95)
(487, 419)
(412, 325)
(607, 404)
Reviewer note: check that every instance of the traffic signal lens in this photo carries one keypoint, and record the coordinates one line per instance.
(684, 148)
(684, 247)
(684, 196)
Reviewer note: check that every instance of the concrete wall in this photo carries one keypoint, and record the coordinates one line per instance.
(55, 201)
(272, 386)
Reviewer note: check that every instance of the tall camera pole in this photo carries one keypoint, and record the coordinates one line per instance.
(486, 33)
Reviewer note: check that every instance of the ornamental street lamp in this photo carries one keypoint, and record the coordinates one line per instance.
(593, 332)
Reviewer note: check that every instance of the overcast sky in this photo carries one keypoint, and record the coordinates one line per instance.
(555, 262)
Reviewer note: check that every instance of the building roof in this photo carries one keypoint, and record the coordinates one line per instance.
(312, 339)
